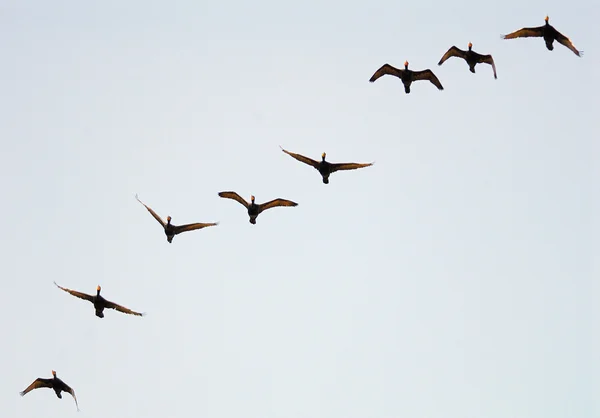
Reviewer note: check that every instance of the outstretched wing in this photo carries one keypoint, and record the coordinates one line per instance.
(386, 69)
(302, 158)
(525, 33)
(70, 390)
(348, 166)
(190, 227)
(428, 75)
(76, 293)
(40, 382)
(274, 203)
(453, 52)
(158, 218)
(234, 196)
(487, 59)
(112, 305)
(567, 42)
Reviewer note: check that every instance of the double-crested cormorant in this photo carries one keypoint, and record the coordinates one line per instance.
(99, 302)
(325, 167)
(472, 58)
(53, 383)
(253, 209)
(548, 33)
(172, 230)
(407, 76)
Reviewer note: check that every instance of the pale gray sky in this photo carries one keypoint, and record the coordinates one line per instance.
(453, 279)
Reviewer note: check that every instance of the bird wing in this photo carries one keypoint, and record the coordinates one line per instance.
(525, 33)
(158, 218)
(386, 69)
(234, 196)
(76, 293)
(487, 59)
(302, 158)
(178, 229)
(567, 42)
(70, 390)
(40, 382)
(428, 75)
(274, 203)
(348, 166)
(453, 52)
(111, 305)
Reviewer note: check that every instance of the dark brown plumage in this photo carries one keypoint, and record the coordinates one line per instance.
(407, 76)
(548, 32)
(172, 230)
(325, 167)
(99, 302)
(253, 209)
(471, 57)
(53, 383)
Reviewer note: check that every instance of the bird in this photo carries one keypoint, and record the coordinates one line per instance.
(407, 76)
(99, 302)
(472, 58)
(325, 167)
(53, 383)
(253, 209)
(172, 230)
(548, 32)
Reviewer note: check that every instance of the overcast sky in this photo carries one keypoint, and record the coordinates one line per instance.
(452, 279)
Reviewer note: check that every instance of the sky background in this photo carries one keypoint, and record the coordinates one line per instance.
(451, 279)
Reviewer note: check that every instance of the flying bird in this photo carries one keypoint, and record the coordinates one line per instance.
(99, 302)
(325, 167)
(471, 57)
(172, 230)
(53, 383)
(253, 209)
(407, 76)
(548, 33)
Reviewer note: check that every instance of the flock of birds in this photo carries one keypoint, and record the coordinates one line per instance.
(325, 168)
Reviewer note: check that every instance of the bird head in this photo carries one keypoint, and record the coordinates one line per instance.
(98, 288)
(546, 19)
(53, 373)
(470, 45)
(405, 64)
(252, 199)
(323, 155)
(168, 218)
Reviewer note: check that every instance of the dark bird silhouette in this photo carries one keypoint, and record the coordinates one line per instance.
(253, 209)
(548, 32)
(53, 383)
(172, 230)
(99, 302)
(472, 58)
(325, 167)
(407, 76)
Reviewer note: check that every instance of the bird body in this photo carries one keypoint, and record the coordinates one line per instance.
(407, 76)
(54, 383)
(471, 57)
(99, 302)
(326, 168)
(256, 209)
(548, 32)
(172, 230)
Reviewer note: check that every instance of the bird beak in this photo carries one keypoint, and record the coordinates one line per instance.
(470, 45)
(546, 18)
(406, 63)
(98, 288)
(323, 155)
